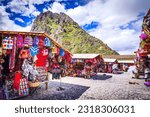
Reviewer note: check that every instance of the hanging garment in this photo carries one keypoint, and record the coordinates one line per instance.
(143, 36)
(62, 53)
(35, 41)
(23, 87)
(54, 49)
(57, 51)
(34, 50)
(7, 43)
(24, 53)
(19, 41)
(42, 74)
(29, 71)
(47, 42)
(17, 78)
(42, 57)
(28, 41)
(41, 41)
(67, 57)
(13, 55)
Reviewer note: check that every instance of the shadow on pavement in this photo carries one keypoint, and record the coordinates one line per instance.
(67, 92)
(102, 77)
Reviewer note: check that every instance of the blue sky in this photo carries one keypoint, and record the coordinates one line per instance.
(116, 22)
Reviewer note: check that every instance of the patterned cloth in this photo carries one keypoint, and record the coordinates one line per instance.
(13, 55)
(42, 74)
(28, 69)
(7, 43)
(24, 88)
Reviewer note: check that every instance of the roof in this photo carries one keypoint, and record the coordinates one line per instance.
(109, 60)
(125, 61)
(84, 56)
(36, 34)
(119, 57)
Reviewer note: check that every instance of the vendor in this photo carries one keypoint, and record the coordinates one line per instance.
(56, 71)
(5, 65)
(87, 70)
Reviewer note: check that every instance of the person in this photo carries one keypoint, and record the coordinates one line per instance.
(136, 73)
(146, 72)
(5, 65)
(87, 70)
(56, 70)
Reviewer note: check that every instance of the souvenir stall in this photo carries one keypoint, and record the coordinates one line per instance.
(142, 60)
(108, 64)
(26, 59)
(86, 65)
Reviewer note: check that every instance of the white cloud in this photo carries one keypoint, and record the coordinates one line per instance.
(25, 7)
(111, 14)
(7, 24)
(57, 8)
(19, 19)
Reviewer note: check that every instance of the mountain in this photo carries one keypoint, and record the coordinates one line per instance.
(69, 34)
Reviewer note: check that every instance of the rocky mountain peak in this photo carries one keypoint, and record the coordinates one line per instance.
(68, 33)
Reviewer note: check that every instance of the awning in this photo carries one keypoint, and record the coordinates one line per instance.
(109, 60)
(126, 61)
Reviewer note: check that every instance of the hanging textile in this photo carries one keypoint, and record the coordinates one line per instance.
(28, 41)
(62, 53)
(19, 41)
(34, 50)
(47, 42)
(13, 55)
(17, 78)
(42, 74)
(7, 43)
(35, 41)
(42, 56)
(68, 57)
(23, 87)
(24, 53)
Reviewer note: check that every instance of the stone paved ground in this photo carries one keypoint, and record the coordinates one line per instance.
(104, 87)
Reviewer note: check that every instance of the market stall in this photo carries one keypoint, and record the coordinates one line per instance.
(142, 60)
(26, 59)
(108, 64)
(86, 65)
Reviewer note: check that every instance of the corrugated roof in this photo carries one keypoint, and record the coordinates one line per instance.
(109, 60)
(119, 57)
(84, 56)
(125, 61)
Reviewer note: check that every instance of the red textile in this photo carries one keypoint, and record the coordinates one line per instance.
(42, 57)
(17, 78)
(41, 41)
(55, 65)
(68, 57)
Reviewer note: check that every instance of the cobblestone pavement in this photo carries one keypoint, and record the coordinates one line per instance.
(104, 87)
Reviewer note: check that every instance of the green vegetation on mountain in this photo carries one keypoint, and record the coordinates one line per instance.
(69, 34)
